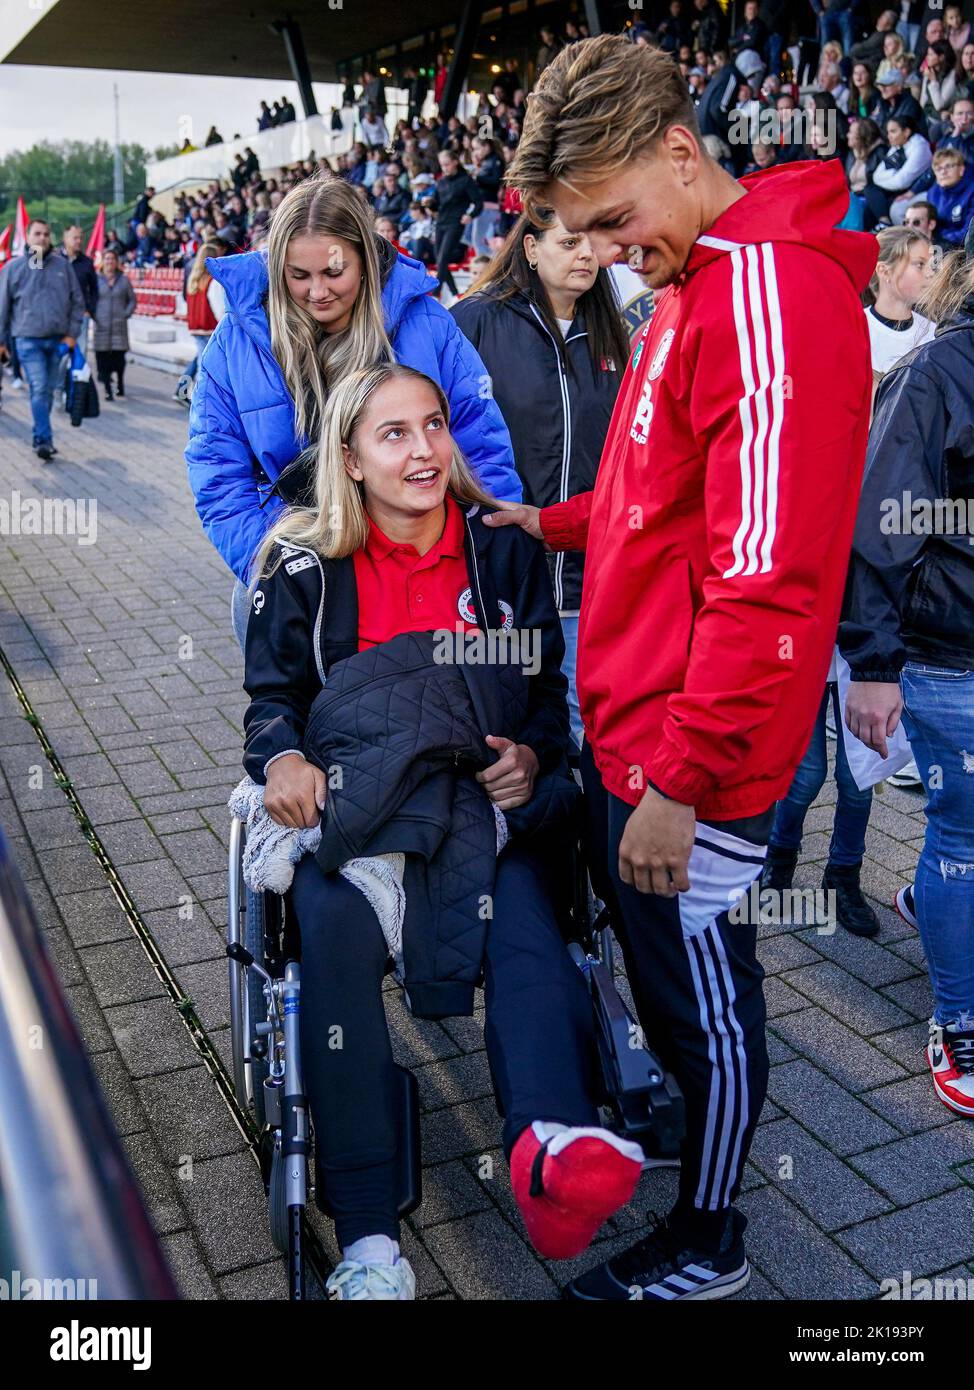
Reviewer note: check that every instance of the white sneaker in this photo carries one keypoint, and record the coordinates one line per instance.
(17, 384)
(908, 776)
(388, 1283)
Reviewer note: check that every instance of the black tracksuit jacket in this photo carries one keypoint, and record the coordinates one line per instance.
(556, 407)
(910, 591)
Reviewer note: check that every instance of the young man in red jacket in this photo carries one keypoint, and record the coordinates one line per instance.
(717, 540)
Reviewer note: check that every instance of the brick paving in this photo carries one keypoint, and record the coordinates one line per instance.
(125, 651)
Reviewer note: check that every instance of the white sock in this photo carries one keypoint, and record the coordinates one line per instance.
(372, 1250)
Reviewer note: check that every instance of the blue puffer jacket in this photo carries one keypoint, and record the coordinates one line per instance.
(242, 425)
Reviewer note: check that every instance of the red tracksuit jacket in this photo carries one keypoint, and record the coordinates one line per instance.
(718, 534)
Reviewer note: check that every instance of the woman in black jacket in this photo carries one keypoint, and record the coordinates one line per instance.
(392, 562)
(908, 636)
(456, 200)
(546, 323)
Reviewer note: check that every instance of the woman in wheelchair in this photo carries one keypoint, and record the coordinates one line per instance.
(403, 663)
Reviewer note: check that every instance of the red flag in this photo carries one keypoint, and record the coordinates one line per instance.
(96, 241)
(20, 228)
(5, 252)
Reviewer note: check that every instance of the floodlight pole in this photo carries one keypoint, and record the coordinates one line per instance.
(118, 188)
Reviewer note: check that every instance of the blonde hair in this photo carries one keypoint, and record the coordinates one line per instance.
(950, 286)
(600, 104)
(313, 361)
(895, 245)
(199, 276)
(337, 524)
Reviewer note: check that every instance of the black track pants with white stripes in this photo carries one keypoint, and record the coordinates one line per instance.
(697, 986)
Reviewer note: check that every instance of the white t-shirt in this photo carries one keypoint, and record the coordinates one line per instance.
(564, 325)
(887, 345)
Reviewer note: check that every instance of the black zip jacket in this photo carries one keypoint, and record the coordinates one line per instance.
(910, 591)
(454, 195)
(305, 618)
(558, 418)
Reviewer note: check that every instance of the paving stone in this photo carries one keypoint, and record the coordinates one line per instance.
(51, 829)
(415, 1040)
(183, 1256)
(785, 953)
(450, 1083)
(130, 842)
(72, 869)
(197, 852)
(116, 1085)
(907, 1046)
(484, 1259)
(836, 1050)
(805, 1263)
(922, 1166)
(158, 1188)
(913, 996)
(472, 1128)
(64, 957)
(862, 1008)
(838, 1119)
(923, 1238)
(911, 1105)
(449, 1191)
(861, 956)
(93, 918)
(183, 943)
(86, 1013)
(226, 1202)
(780, 998)
(206, 984)
(189, 1116)
(151, 1037)
(121, 973)
(818, 1182)
(155, 884)
(266, 1283)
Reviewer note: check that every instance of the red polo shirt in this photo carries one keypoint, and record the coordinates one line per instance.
(400, 590)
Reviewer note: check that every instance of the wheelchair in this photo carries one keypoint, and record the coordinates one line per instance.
(642, 1100)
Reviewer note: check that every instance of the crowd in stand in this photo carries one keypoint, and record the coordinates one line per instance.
(895, 105)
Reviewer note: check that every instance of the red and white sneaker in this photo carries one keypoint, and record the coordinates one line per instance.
(906, 906)
(951, 1058)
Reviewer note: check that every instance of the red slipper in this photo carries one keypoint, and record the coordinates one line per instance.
(567, 1182)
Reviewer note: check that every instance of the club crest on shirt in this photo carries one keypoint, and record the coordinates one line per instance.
(466, 610)
(662, 352)
(639, 348)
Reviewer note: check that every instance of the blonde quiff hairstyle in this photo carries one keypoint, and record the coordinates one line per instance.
(338, 524)
(313, 361)
(599, 105)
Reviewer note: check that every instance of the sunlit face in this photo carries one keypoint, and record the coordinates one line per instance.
(935, 31)
(386, 228)
(914, 273)
(919, 220)
(896, 134)
(109, 263)
(949, 172)
(401, 451)
(324, 275)
(566, 262)
(646, 215)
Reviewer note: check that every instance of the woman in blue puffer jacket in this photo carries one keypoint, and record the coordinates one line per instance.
(329, 298)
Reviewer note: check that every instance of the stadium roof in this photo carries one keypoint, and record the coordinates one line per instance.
(221, 38)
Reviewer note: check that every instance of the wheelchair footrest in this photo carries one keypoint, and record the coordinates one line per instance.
(644, 1098)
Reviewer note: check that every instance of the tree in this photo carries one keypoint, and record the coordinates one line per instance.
(65, 181)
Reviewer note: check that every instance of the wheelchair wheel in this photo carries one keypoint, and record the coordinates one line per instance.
(256, 1007)
(277, 1213)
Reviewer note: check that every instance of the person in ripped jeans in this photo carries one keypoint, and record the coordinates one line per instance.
(908, 636)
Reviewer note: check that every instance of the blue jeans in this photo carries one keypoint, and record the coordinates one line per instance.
(538, 1030)
(839, 26)
(852, 806)
(910, 34)
(239, 611)
(939, 719)
(39, 359)
(569, 627)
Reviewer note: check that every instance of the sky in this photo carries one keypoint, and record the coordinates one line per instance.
(38, 103)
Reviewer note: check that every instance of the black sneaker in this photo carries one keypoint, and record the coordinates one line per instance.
(906, 906)
(851, 909)
(657, 1270)
(44, 452)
